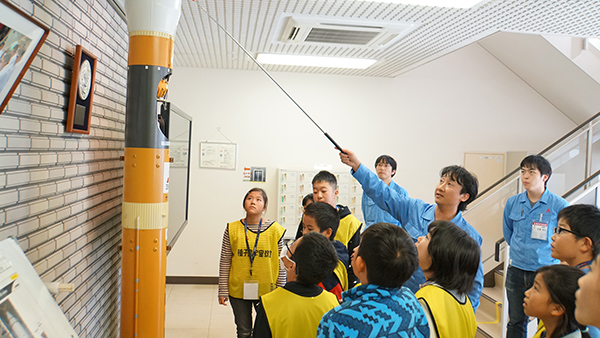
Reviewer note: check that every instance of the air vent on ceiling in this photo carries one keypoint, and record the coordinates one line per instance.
(358, 34)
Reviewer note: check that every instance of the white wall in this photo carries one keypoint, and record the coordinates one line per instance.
(427, 118)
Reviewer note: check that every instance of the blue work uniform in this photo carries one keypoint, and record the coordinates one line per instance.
(527, 253)
(374, 214)
(527, 230)
(415, 217)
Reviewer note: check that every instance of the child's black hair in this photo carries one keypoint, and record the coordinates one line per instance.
(584, 221)
(325, 176)
(325, 216)
(308, 198)
(389, 160)
(315, 258)
(389, 254)
(455, 256)
(537, 162)
(261, 191)
(469, 183)
(561, 282)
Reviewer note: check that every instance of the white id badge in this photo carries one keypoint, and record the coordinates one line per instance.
(539, 231)
(251, 290)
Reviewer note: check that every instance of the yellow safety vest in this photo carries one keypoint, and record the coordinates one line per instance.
(349, 225)
(265, 268)
(341, 271)
(541, 329)
(294, 316)
(451, 318)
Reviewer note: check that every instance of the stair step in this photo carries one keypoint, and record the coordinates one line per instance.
(495, 294)
(488, 306)
(488, 330)
(482, 334)
(499, 277)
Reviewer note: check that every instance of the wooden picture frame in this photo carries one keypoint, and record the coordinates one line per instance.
(21, 37)
(82, 92)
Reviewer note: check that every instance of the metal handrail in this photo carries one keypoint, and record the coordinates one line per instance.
(497, 249)
(584, 182)
(560, 140)
(497, 320)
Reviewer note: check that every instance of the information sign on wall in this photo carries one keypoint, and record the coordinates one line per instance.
(218, 155)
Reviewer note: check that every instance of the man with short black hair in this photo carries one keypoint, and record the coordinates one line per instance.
(385, 167)
(528, 223)
(456, 189)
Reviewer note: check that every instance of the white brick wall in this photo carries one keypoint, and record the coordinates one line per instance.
(60, 193)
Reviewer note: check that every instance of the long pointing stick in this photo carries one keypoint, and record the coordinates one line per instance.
(271, 77)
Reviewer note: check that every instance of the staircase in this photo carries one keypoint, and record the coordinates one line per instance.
(489, 314)
(575, 160)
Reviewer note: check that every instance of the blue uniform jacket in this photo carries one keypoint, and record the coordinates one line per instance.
(415, 216)
(374, 214)
(527, 253)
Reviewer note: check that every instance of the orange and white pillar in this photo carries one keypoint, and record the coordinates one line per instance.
(151, 25)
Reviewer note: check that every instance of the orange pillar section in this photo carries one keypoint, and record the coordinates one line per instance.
(144, 258)
(151, 24)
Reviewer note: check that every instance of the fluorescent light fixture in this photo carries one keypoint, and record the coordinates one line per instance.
(436, 3)
(313, 61)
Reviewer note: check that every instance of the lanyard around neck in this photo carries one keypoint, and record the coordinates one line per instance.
(252, 254)
(584, 264)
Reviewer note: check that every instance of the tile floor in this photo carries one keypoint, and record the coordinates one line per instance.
(192, 311)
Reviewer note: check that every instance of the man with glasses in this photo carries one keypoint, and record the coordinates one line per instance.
(385, 167)
(528, 224)
(296, 309)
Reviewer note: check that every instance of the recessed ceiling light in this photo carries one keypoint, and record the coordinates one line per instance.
(314, 61)
(436, 3)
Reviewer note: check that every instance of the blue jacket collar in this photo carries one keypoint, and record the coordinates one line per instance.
(429, 215)
(544, 199)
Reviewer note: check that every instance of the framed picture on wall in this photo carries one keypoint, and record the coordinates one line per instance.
(218, 155)
(21, 37)
(79, 115)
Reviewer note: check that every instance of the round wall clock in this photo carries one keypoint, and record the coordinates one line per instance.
(85, 79)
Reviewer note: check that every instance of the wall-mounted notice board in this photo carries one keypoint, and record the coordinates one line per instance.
(218, 155)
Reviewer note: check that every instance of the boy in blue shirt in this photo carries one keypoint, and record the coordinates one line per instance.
(385, 166)
(456, 189)
(528, 223)
(380, 306)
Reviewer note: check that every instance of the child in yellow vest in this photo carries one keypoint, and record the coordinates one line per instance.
(325, 190)
(450, 259)
(552, 300)
(249, 265)
(324, 219)
(295, 310)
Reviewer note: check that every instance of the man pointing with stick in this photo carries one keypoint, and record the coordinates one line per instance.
(456, 189)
